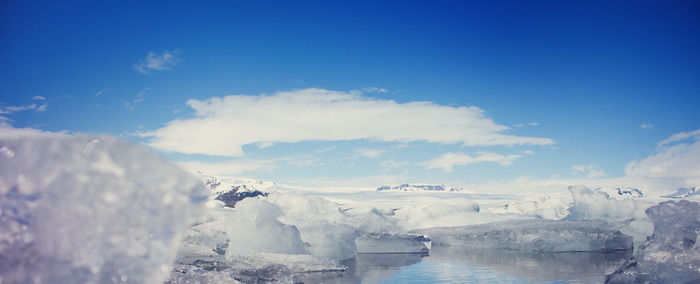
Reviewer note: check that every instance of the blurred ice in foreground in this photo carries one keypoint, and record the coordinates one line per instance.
(89, 209)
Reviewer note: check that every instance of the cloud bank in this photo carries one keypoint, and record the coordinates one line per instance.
(589, 171)
(681, 160)
(223, 125)
(448, 161)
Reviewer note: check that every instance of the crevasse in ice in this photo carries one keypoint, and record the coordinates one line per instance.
(89, 209)
(671, 254)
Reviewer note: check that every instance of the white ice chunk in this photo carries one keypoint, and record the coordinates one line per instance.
(437, 212)
(258, 268)
(67, 215)
(253, 227)
(533, 235)
(672, 254)
(543, 207)
(387, 243)
(591, 205)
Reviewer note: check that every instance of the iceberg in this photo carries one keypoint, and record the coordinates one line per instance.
(671, 254)
(598, 205)
(89, 209)
(258, 267)
(396, 244)
(533, 235)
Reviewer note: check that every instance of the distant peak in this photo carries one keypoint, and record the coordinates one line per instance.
(419, 187)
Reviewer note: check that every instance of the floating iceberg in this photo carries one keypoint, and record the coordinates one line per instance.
(89, 209)
(671, 254)
(597, 205)
(533, 235)
(256, 268)
(436, 212)
(386, 243)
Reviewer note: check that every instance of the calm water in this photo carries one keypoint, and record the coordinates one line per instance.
(454, 265)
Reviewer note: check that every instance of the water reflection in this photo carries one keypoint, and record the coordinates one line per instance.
(537, 266)
(365, 268)
(454, 264)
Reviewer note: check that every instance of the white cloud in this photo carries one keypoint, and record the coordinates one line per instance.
(533, 123)
(677, 161)
(222, 125)
(680, 137)
(101, 91)
(646, 125)
(588, 171)
(447, 161)
(302, 163)
(131, 106)
(38, 98)
(392, 164)
(375, 90)
(527, 152)
(228, 168)
(13, 109)
(369, 153)
(158, 62)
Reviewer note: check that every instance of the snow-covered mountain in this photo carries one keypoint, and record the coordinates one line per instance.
(419, 187)
(685, 192)
(231, 190)
(621, 192)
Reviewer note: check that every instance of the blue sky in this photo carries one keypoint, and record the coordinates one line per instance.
(584, 76)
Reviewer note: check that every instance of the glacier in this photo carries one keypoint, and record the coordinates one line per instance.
(89, 209)
(671, 254)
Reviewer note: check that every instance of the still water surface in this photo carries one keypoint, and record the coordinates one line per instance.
(455, 265)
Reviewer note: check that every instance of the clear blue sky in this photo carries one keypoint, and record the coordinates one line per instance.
(586, 74)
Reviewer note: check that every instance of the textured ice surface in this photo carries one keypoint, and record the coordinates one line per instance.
(671, 255)
(386, 243)
(537, 206)
(436, 212)
(533, 235)
(256, 268)
(89, 209)
(592, 205)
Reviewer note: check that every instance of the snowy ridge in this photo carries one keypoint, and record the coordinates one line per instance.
(419, 187)
(232, 190)
(621, 192)
(685, 192)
